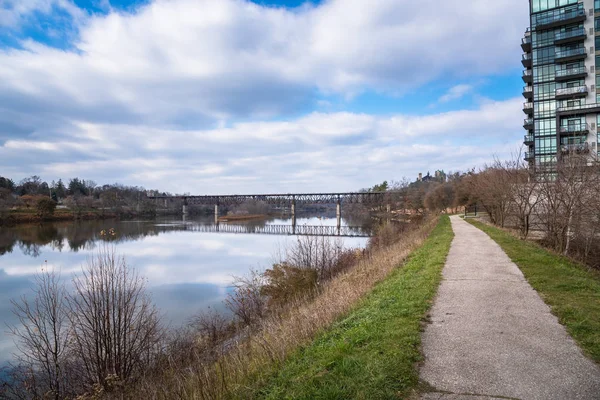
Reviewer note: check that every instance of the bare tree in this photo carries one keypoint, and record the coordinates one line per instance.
(567, 197)
(522, 191)
(491, 188)
(43, 336)
(115, 325)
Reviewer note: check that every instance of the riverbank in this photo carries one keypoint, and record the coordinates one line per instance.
(572, 290)
(373, 351)
(243, 357)
(30, 216)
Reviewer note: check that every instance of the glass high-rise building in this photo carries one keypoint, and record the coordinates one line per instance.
(562, 83)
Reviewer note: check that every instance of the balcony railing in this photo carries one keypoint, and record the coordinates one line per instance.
(572, 91)
(527, 121)
(528, 156)
(528, 91)
(575, 148)
(570, 53)
(559, 17)
(526, 60)
(528, 139)
(570, 34)
(581, 107)
(564, 73)
(526, 43)
(575, 128)
(528, 106)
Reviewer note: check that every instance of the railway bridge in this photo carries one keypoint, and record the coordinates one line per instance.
(369, 199)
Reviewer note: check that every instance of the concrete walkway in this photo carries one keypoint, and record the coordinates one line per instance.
(492, 337)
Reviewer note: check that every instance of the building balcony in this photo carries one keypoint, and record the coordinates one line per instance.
(558, 18)
(528, 123)
(526, 43)
(528, 108)
(528, 140)
(580, 148)
(591, 108)
(527, 75)
(528, 92)
(574, 35)
(574, 129)
(570, 55)
(572, 92)
(527, 60)
(570, 73)
(529, 156)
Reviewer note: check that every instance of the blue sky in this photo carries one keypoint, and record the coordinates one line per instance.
(226, 96)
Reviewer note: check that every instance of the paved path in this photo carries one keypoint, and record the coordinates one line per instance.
(491, 335)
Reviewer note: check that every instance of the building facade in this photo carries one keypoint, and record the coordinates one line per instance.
(562, 84)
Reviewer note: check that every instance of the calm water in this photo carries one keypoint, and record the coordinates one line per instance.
(189, 266)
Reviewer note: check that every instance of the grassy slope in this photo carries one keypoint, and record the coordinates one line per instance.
(372, 353)
(570, 289)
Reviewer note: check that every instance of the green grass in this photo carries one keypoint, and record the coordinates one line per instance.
(373, 352)
(570, 289)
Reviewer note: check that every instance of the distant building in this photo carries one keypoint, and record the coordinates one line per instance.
(440, 176)
(562, 105)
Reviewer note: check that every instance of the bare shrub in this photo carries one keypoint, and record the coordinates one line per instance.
(42, 338)
(285, 283)
(247, 302)
(318, 253)
(212, 327)
(115, 326)
(388, 233)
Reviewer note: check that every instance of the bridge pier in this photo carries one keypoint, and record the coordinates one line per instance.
(216, 213)
(388, 208)
(166, 203)
(338, 212)
(184, 209)
(294, 213)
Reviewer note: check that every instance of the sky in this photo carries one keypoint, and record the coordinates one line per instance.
(239, 96)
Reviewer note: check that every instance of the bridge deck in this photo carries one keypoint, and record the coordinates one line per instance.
(368, 198)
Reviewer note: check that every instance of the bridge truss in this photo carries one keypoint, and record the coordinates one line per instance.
(366, 198)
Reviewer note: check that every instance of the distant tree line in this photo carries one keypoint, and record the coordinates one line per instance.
(77, 194)
(560, 203)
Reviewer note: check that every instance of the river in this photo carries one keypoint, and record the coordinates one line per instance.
(189, 264)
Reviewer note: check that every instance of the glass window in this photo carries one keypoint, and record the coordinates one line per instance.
(544, 55)
(542, 5)
(544, 73)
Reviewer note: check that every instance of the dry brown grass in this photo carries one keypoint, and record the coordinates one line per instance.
(249, 359)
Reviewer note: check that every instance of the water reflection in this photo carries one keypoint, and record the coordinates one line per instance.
(188, 264)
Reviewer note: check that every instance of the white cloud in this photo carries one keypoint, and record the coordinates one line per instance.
(317, 152)
(13, 12)
(211, 95)
(456, 92)
(182, 61)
